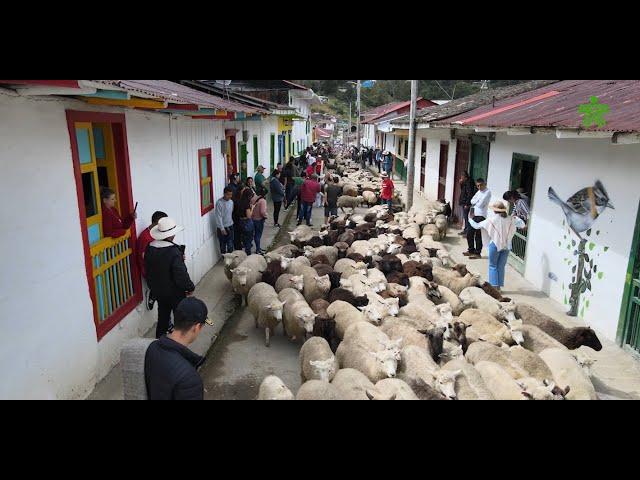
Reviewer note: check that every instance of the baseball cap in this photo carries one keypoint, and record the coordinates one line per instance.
(193, 310)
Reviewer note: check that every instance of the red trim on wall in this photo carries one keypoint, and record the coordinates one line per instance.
(118, 125)
(207, 153)
(52, 83)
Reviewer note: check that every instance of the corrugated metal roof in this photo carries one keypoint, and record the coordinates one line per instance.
(470, 102)
(556, 105)
(177, 93)
(374, 112)
(387, 115)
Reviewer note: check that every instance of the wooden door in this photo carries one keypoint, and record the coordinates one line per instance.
(442, 177)
(462, 165)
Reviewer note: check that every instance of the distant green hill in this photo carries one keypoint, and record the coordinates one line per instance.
(386, 91)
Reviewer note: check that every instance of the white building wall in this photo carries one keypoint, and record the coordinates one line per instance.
(569, 165)
(55, 354)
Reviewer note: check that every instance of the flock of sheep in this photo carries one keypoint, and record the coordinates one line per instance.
(383, 313)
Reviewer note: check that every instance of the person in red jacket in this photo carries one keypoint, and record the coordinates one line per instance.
(310, 188)
(387, 189)
(145, 239)
(113, 225)
(310, 169)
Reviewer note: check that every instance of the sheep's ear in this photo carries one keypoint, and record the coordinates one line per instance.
(567, 389)
(528, 395)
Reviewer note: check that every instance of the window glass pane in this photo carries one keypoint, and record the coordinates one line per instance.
(89, 192)
(98, 142)
(204, 172)
(84, 150)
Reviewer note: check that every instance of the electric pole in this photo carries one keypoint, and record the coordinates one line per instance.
(412, 143)
(349, 131)
(358, 113)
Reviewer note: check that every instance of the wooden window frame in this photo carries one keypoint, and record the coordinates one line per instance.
(119, 131)
(203, 181)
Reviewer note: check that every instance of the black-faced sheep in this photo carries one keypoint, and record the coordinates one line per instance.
(390, 263)
(347, 296)
(272, 273)
(325, 326)
(571, 338)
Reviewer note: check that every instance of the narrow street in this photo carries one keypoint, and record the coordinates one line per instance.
(239, 361)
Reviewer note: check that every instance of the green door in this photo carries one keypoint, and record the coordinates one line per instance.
(523, 172)
(629, 326)
(479, 167)
(255, 153)
(242, 148)
(272, 152)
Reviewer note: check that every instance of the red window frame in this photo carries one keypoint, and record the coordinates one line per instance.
(118, 124)
(206, 152)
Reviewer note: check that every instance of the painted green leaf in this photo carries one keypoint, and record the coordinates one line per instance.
(563, 223)
(595, 269)
(588, 284)
(587, 275)
(582, 312)
(565, 300)
(606, 248)
(583, 287)
(559, 244)
(573, 243)
(586, 257)
(568, 247)
(591, 263)
(597, 232)
(600, 275)
(589, 232)
(573, 270)
(592, 245)
(587, 303)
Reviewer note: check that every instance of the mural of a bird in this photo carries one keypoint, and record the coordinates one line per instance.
(583, 207)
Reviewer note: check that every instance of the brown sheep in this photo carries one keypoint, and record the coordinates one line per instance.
(342, 249)
(347, 296)
(400, 278)
(347, 237)
(324, 326)
(271, 274)
(571, 338)
(323, 269)
(390, 263)
(417, 269)
(318, 259)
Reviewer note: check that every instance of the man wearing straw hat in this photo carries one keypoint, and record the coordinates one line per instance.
(166, 271)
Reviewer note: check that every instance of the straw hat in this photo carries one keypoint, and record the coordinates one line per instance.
(166, 228)
(499, 207)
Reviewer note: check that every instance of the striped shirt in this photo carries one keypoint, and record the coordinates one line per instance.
(521, 209)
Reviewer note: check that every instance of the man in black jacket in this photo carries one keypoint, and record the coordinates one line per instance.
(467, 191)
(166, 272)
(170, 368)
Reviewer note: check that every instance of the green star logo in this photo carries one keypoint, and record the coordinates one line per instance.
(594, 113)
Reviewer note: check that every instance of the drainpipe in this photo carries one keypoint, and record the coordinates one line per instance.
(358, 113)
(412, 143)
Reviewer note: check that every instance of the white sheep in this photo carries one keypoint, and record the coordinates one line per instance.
(469, 384)
(400, 329)
(330, 252)
(392, 388)
(501, 385)
(266, 308)
(317, 390)
(298, 320)
(442, 223)
(567, 372)
(370, 197)
(351, 384)
(483, 351)
(317, 360)
(247, 274)
(272, 388)
(447, 296)
(359, 284)
(347, 267)
(531, 362)
(432, 231)
(483, 326)
(349, 202)
(314, 286)
(535, 389)
(295, 265)
(344, 315)
(423, 375)
(287, 251)
(411, 231)
(368, 349)
(361, 247)
(232, 260)
(289, 280)
(451, 279)
(377, 276)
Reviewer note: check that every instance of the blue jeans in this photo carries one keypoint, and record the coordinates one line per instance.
(257, 234)
(305, 212)
(226, 241)
(389, 202)
(248, 229)
(497, 265)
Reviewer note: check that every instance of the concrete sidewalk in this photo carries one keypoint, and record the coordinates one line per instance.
(213, 289)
